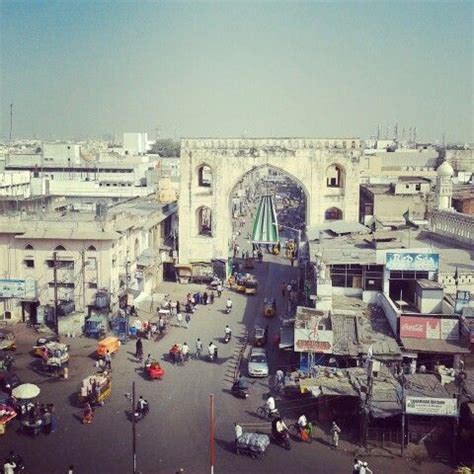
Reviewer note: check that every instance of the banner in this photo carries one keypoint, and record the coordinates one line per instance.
(17, 289)
(463, 299)
(420, 262)
(420, 327)
(314, 340)
(431, 406)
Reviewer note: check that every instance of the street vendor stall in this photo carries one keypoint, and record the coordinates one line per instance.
(95, 389)
(7, 414)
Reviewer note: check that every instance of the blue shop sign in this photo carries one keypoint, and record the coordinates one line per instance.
(419, 262)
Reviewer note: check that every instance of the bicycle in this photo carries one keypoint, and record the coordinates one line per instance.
(306, 435)
(266, 414)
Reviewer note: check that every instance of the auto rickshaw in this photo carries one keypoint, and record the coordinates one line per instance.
(7, 340)
(251, 286)
(269, 308)
(41, 342)
(240, 286)
(154, 370)
(111, 344)
(290, 248)
(260, 336)
(95, 326)
(55, 356)
(95, 389)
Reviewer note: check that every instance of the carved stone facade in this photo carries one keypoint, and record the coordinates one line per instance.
(308, 162)
(453, 225)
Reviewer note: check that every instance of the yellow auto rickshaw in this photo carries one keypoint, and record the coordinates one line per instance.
(7, 340)
(269, 308)
(240, 286)
(111, 344)
(95, 389)
(251, 286)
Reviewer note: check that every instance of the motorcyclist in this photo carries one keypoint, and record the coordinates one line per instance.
(228, 305)
(227, 332)
(148, 360)
(240, 382)
(142, 405)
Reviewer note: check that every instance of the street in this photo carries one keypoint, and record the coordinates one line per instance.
(175, 434)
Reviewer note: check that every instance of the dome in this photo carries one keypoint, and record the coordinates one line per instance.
(445, 170)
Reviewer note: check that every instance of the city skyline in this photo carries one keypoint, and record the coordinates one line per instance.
(87, 69)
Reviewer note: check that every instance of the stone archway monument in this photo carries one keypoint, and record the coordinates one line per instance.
(212, 168)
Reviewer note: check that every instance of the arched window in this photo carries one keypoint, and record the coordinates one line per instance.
(204, 221)
(335, 176)
(60, 248)
(205, 176)
(29, 247)
(91, 248)
(333, 214)
(353, 144)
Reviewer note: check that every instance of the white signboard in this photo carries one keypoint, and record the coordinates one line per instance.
(431, 406)
(314, 340)
(17, 289)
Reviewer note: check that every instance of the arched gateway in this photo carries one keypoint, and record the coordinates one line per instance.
(211, 168)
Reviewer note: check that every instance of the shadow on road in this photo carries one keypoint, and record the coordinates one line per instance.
(226, 445)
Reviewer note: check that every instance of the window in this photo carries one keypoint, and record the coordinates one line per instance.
(334, 176)
(91, 284)
(91, 248)
(204, 221)
(204, 176)
(91, 263)
(333, 214)
(418, 187)
(61, 264)
(29, 247)
(59, 248)
(346, 276)
(61, 284)
(29, 263)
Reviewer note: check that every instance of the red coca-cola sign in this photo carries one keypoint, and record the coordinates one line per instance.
(313, 346)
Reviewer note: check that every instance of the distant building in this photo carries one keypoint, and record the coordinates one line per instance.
(135, 143)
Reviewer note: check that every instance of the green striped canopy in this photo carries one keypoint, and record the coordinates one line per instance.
(265, 226)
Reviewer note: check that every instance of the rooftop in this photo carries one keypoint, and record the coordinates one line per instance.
(412, 344)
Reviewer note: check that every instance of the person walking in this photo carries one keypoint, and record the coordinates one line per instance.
(212, 297)
(219, 289)
(178, 306)
(108, 360)
(198, 348)
(335, 431)
(185, 351)
(205, 298)
(139, 349)
(54, 419)
(187, 318)
(283, 289)
(179, 318)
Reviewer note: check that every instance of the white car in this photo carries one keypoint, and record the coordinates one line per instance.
(258, 363)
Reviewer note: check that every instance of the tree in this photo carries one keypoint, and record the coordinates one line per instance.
(166, 147)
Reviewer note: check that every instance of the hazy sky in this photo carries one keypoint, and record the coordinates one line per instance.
(86, 68)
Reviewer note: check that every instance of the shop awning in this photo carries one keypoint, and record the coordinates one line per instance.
(265, 226)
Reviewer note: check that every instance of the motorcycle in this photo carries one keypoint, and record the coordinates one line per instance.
(282, 439)
(228, 309)
(212, 356)
(266, 414)
(227, 337)
(141, 413)
(239, 391)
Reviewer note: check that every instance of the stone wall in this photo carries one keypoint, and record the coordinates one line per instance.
(453, 225)
(305, 161)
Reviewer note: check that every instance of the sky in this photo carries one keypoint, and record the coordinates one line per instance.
(84, 69)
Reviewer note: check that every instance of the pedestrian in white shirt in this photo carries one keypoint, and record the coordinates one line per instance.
(179, 318)
(9, 467)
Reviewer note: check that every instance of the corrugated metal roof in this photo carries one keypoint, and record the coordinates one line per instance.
(265, 226)
(434, 345)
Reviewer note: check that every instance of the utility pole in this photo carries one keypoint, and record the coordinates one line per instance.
(134, 430)
(211, 432)
(83, 266)
(55, 276)
(403, 414)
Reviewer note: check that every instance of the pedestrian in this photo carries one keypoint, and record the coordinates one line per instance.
(46, 421)
(9, 466)
(356, 467)
(279, 378)
(205, 298)
(364, 468)
(185, 351)
(335, 431)
(71, 469)
(108, 360)
(292, 260)
(219, 289)
(161, 325)
(139, 349)
(288, 289)
(178, 306)
(212, 297)
(215, 353)
(54, 419)
(187, 318)
(283, 289)
(179, 318)
(198, 348)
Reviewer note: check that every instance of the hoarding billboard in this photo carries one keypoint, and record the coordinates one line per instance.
(420, 262)
(420, 327)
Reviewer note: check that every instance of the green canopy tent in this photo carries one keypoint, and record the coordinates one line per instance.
(265, 226)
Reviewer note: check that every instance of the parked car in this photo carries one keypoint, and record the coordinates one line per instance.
(258, 362)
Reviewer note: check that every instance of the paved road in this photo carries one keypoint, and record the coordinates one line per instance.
(175, 433)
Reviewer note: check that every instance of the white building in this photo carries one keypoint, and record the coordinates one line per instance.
(135, 143)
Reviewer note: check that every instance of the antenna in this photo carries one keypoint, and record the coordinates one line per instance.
(11, 124)
(396, 132)
(414, 136)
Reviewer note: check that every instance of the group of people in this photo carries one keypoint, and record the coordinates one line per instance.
(179, 353)
(13, 463)
(204, 298)
(34, 414)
